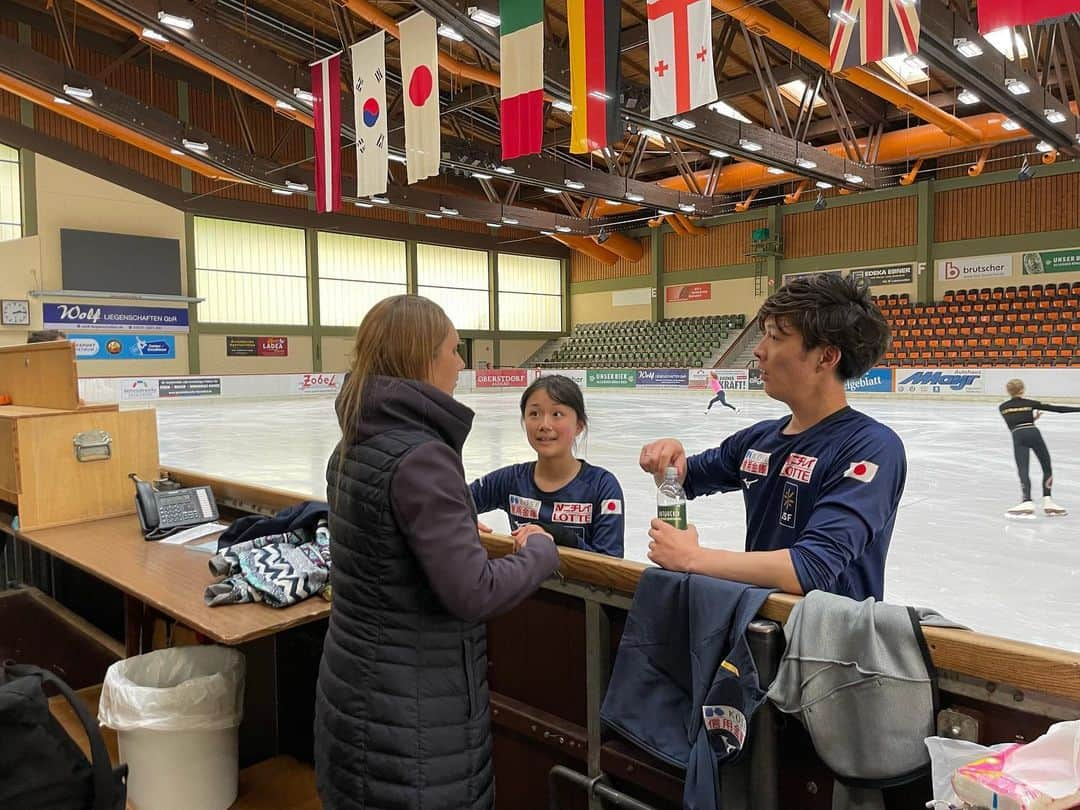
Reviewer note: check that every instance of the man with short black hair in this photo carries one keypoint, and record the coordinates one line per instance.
(822, 485)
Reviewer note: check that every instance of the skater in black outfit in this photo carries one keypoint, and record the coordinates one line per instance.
(1020, 414)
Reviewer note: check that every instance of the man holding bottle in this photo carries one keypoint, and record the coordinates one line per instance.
(822, 485)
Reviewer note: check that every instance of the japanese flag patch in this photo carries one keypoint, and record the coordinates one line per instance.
(611, 507)
(862, 471)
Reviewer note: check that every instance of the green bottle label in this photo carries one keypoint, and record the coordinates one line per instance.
(675, 515)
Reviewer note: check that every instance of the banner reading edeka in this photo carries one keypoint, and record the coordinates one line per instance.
(125, 347)
(1052, 261)
(874, 276)
(663, 377)
(502, 378)
(974, 267)
(189, 387)
(610, 378)
(688, 292)
(876, 380)
(251, 346)
(939, 381)
(67, 317)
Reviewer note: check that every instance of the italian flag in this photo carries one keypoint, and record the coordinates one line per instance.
(521, 72)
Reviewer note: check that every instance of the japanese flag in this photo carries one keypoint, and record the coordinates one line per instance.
(611, 507)
(862, 471)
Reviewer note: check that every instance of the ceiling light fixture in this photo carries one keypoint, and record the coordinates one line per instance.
(547, 233)
(1009, 125)
(60, 100)
(852, 178)
(749, 145)
(171, 151)
(823, 184)
(683, 123)
(725, 109)
(576, 185)
(775, 170)
(81, 93)
(480, 176)
(509, 220)
(196, 146)
(281, 192)
(1054, 116)
(360, 204)
(175, 21)
(562, 104)
(433, 215)
(303, 95)
(380, 200)
(1017, 87)
(967, 97)
(803, 163)
(646, 132)
(450, 212)
(687, 208)
(1043, 146)
(719, 154)
(563, 228)
(150, 33)
(505, 169)
(296, 186)
(446, 31)
(283, 105)
(967, 48)
(494, 224)
(484, 17)
(550, 190)
(633, 196)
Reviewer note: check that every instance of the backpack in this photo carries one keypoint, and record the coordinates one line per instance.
(41, 767)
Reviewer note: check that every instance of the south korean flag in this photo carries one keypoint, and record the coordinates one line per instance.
(862, 471)
(611, 507)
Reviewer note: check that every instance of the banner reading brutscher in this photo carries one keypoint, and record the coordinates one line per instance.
(973, 268)
(502, 378)
(939, 381)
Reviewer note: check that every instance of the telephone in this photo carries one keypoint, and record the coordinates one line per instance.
(162, 513)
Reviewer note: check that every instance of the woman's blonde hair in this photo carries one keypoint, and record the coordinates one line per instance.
(1015, 387)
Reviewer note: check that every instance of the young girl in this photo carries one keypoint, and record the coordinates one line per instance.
(718, 391)
(579, 504)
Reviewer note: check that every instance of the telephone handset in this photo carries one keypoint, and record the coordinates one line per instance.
(162, 513)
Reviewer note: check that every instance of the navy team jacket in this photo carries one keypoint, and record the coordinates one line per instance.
(684, 685)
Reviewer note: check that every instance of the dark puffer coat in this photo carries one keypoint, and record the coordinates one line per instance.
(402, 709)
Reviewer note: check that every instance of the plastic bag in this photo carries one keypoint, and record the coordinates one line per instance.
(1052, 762)
(946, 755)
(178, 689)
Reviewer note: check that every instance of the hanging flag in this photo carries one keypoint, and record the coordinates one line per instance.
(369, 113)
(594, 73)
(681, 75)
(876, 28)
(997, 13)
(521, 76)
(326, 88)
(420, 84)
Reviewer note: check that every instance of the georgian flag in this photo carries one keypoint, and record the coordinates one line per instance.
(369, 113)
(862, 471)
(681, 75)
(326, 110)
(611, 507)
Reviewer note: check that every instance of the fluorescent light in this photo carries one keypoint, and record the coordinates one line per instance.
(83, 93)
(296, 186)
(196, 146)
(1043, 146)
(576, 185)
(480, 176)
(774, 170)
(611, 202)
(719, 154)
(999, 38)
(445, 30)
(633, 196)
(852, 178)
(1017, 87)
(484, 17)
(823, 184)
(967, 48)
(967, 97)
(903, 70)
(749, 145)
(360, 204)
(664, 212)
(599, 95)
(303, 95)
(450, 212)
(175, 21)
(843, 16)
(1009, 125)
(683, 123)
(563, 229)
(494, 224)
(1054, 116)
(547, 233)
(550, 190)
(505, 169)
(687, 208)
(510, 220)
(175, 152)
(281, 192)
(916, 63)
(803, 163)
(283, 105)
(562, 104)
(61, 100)
(380, 200)
(150, 33)
(794, 91)
(647, 132)
(395, 157)
(723, 108)
(433, 215)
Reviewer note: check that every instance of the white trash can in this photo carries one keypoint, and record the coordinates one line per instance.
(177, 717)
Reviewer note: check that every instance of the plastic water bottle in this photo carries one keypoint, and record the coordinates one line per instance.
(671, 500)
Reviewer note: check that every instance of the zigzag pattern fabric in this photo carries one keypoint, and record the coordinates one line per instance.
(279, 570)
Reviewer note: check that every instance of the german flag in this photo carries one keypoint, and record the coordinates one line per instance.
(594, 73)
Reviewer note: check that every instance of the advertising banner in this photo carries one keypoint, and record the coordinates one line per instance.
(663, 377)
(318, 383)
(754, 381)
(688, 292)
(251, 346)
(124, 347)
(611, 378)
(939, 381)
(575, 374)
(189, 387)
(138, 390)
(974, 268)
(1052, 261)
(68, 317)
(874, 276)
(502, 378)
(876, 380)
(788, 277)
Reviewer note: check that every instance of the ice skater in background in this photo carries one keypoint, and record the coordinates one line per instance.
(718, 394)
(1020, 414)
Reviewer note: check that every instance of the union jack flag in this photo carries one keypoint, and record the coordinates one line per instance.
(869, 30)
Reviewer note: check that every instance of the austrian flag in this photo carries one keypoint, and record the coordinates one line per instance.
(326, 110)
(681, 74)
(862, 471)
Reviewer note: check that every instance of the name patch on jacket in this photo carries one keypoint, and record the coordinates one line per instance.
(524, 507)
(728, 723)
(571, 513)
(755, 462)
(799, 468)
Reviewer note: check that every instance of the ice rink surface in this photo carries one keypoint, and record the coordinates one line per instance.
(952, 549)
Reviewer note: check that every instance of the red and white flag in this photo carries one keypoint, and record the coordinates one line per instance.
(861, 471)
(681, 75)
(420, 82)
(369, 113)
(326, 88)
(997, 13)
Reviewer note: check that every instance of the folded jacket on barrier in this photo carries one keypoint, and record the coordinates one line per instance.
(304, 515)
(684, 684)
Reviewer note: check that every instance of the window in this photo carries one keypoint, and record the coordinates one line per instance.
(10, 194)
(457, 280)
(355, 273)
(530, 294)
(250, 273)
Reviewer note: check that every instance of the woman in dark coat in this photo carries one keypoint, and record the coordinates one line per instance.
(402, 704)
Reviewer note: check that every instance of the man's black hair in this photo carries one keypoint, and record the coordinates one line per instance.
(562, 390)
(830, 310)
